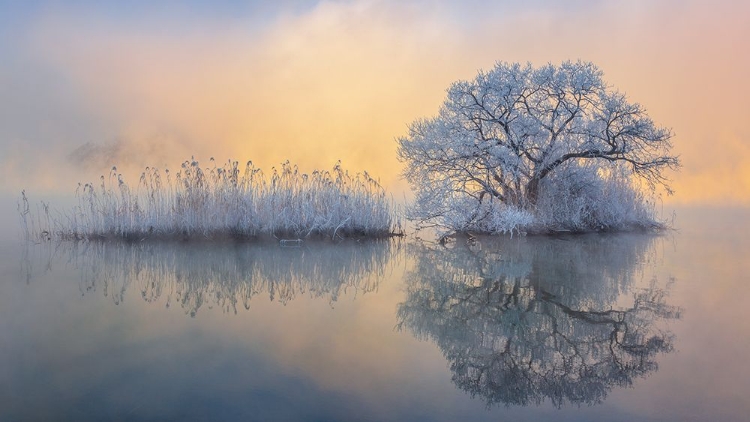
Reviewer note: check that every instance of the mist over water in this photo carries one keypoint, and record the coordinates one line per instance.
(594, 327)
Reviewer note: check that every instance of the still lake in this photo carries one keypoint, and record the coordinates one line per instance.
(594, 327)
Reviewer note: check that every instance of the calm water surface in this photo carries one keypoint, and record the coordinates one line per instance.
(596, 327)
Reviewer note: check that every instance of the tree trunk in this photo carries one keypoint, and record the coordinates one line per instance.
(532, 192)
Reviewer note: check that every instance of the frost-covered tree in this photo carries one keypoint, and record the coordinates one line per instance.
(518, 139)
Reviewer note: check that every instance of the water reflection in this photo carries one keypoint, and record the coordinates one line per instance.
(522, 321)
(226, 275)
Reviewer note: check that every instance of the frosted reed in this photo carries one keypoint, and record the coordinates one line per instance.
(220, 202)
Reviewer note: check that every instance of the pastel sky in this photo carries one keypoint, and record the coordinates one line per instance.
(88, 84)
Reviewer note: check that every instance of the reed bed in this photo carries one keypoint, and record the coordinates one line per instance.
(220, 202)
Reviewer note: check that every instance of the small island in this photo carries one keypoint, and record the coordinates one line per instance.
(220, 202)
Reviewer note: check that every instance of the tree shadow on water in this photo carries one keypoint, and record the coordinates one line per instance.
(522, 321)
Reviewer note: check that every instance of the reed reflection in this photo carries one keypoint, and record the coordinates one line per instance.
(227, 275)
(522, 321)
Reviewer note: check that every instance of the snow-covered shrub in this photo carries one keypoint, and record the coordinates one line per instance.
(463, 214)
(504, 219)
(579, 197)
(591, 198)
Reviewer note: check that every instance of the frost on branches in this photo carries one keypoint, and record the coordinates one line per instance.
(539, 149)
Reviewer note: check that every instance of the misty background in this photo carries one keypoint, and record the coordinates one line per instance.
(88, 85)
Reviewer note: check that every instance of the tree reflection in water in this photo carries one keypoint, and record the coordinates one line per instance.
(524, 320)
(228, 275)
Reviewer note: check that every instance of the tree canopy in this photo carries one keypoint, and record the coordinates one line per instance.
(519, 146)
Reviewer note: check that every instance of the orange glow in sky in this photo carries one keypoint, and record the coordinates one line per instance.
(342, 80)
